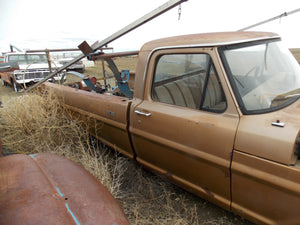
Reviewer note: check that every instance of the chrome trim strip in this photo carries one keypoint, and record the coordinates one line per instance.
(278, 124)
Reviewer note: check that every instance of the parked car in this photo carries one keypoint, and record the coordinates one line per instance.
(21, 70)
(79, 66)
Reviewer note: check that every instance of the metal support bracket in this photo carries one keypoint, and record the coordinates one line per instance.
(123, 84)
(153, 14)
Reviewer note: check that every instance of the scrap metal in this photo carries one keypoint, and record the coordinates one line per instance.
(49, 189)
(148, 17)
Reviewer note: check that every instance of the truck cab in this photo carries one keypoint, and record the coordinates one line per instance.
(218, 114)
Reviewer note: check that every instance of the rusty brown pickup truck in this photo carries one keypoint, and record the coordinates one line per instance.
(217, 113)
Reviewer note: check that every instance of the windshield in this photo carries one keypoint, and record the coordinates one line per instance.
(28, 58)
(264, 76)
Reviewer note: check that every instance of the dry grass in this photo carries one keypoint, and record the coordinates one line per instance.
(31, 124)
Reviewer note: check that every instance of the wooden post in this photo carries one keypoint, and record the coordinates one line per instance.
(49, 60)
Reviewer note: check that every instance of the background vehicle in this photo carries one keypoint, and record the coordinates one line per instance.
(21, 70)
(79, 66)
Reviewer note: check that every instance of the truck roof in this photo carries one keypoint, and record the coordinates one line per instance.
(209, 39)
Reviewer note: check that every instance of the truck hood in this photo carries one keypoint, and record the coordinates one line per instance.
(39, 66)
(257, 136)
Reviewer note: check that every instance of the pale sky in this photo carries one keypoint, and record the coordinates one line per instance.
(41, 24)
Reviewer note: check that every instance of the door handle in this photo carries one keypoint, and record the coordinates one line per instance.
(138, 112)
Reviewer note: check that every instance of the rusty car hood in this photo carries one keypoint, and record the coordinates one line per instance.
(257, 136)
(46, 188)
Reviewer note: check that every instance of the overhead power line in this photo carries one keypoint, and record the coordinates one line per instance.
(271, 19)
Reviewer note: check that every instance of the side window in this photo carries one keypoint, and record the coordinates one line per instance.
(188, 80)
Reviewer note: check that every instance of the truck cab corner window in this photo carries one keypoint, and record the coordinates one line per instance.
(188, 80)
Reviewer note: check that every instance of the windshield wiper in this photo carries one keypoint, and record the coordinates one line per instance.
(288, 95)
(291, 96)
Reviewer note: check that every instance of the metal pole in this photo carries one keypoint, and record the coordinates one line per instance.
(104, 73)
(49, 60)
(269, 20)
(60, 50)
(153, 14)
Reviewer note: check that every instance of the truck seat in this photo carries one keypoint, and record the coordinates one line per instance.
(214, 98)
(187, 92)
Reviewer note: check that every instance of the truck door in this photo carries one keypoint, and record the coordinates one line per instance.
(185, 126)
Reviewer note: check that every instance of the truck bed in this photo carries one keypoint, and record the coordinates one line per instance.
(106, 116)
